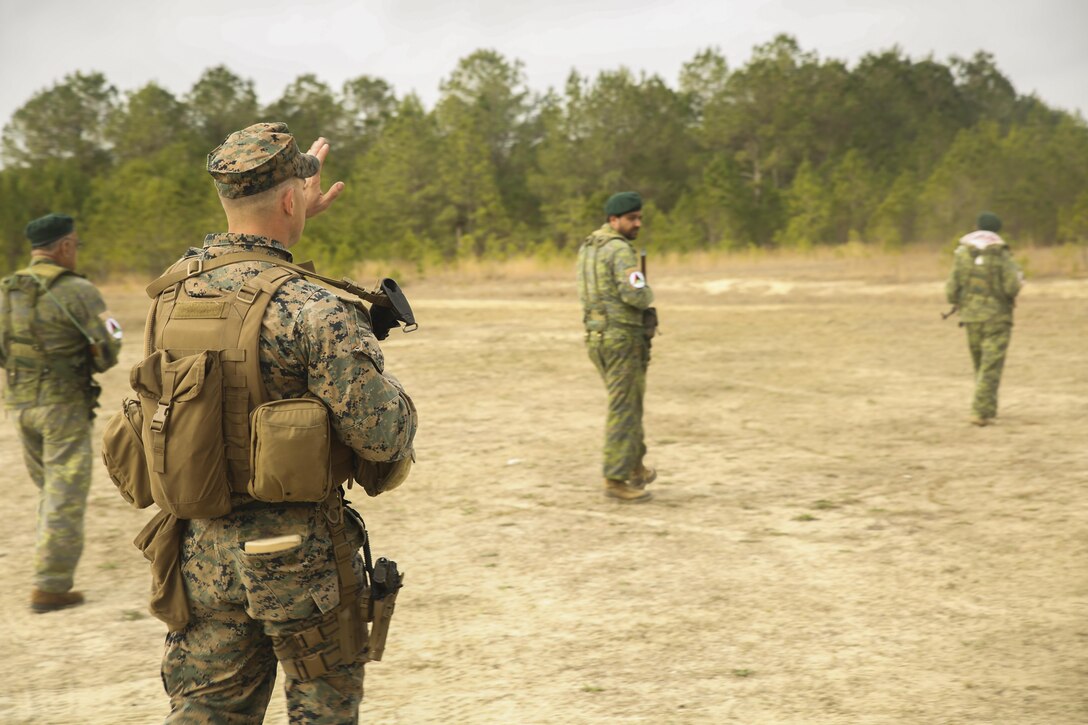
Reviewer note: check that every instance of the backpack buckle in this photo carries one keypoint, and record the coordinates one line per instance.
(194, 267)
(158, 420)
(247, 294)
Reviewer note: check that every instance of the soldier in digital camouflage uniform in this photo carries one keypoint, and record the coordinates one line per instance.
(983, 286)
(56, 334)
(615, 297)
(221, 667)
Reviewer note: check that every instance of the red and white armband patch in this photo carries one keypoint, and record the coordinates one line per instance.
(113, 327)
(636, 279)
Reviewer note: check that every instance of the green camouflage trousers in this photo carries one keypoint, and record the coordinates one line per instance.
(989, 342)
(57, 450)
(621, 357)
(221, 668)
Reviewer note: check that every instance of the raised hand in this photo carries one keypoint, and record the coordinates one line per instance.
(316, 200)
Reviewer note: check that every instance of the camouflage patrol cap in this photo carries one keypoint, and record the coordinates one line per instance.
(257, 158)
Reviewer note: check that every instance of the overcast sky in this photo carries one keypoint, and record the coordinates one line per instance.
(1041, 46)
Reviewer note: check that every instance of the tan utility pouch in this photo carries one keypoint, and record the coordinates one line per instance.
(290, 442)
(123, 454)
(160, 541)
(182, 403)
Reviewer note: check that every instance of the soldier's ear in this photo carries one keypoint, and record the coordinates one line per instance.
(287, 200)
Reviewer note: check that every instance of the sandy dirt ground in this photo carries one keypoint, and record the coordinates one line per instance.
(830, 542)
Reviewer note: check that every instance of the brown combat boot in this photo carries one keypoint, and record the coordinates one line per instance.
(642, 477)
(621, 491)
(51, 601)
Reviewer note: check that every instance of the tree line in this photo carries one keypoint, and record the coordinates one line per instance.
(788, 150)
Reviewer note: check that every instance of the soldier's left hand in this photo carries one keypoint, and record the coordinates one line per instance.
(316, 201)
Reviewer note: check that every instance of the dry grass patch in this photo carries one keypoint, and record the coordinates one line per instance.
(852, 261)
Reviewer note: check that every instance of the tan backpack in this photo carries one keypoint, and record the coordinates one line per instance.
(199, 388)
(203, 426)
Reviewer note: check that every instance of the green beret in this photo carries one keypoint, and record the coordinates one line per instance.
(257, 158)
(45, 230)
(988, 221)
(622, 203)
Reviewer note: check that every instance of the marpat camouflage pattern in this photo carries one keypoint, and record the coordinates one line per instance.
(221, 667)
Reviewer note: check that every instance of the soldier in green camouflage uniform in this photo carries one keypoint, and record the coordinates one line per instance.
(221, 667)
(983, 286)
(56, 334)
(615, 298)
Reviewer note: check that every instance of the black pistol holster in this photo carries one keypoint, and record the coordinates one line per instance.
(385, 582)
(340, 637)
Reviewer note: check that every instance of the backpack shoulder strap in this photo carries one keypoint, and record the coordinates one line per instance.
(243, 331)
(38, 279)
(244, 387)
(230, 325)
(185, 269)
(46, 274)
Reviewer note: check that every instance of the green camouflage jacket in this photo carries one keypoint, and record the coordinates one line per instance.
(47, 355)
(314, 342)
(611, 288)
(984, 280)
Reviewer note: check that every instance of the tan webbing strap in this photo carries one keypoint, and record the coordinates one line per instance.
(244, 387)
(160, 419)
(250, 306)
(240, 303)
(235, 415)
(342, 627)
(161, 308)
(149, 330)
(165, 305)
(193, 267)
(313, 665)
(186, 268)
(351, 617)
(229, 324)
(170, 292)
(312, 637)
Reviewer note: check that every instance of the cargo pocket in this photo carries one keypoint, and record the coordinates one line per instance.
(290, 451)
(123, 454)
(287, 585)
